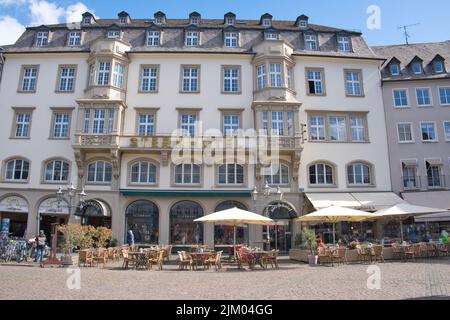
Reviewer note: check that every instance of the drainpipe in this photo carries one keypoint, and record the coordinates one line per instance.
(2, 62)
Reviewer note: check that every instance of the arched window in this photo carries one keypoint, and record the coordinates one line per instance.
(142, 218)
(183, 229)
(277, 174)
(17, 170)
(143, 172)
(231, 174)
(359, 173)
(100, 172)
(224, 234)
(321, 174)
(56, 171)
(187, 174)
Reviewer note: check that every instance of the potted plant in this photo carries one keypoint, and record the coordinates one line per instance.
(73, 233)
(309, 240)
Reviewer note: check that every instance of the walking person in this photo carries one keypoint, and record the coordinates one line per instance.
(130, 238)
(40, 246)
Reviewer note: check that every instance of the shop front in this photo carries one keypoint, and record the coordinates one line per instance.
(142, 218)
(183, 229)
(52, 211)
(280, 235)
(14, 216)
(223, 233)
(95, 213)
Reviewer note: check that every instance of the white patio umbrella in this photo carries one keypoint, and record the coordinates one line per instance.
(335, 214)
(405, 210)
(235, 216)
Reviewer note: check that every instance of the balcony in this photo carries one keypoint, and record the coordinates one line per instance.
(97, 141)
(411, 183)
(435, 182)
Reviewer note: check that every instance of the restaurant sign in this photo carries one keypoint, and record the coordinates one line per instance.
(14, 204)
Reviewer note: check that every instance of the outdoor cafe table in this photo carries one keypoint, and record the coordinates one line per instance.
(259, 254)
(199, 258)
(140, 258)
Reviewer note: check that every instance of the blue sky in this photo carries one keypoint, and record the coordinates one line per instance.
(351, 14)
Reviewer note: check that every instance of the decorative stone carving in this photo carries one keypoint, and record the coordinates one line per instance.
(115, 163)
(79, 160)
(165, 158)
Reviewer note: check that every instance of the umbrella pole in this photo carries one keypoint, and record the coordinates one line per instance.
(401, 230)
(334, 234)
(234, 241)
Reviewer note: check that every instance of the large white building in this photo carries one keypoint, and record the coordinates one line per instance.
(96, 103)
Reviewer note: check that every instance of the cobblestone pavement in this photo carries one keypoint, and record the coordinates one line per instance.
(425, 279)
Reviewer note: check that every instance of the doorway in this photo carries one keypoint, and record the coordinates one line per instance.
(46, 224)
(281, 236)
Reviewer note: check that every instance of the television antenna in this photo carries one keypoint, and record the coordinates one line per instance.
(405, 30)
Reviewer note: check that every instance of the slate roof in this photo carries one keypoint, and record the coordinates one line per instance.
(406, 53)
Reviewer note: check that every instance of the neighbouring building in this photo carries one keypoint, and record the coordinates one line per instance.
(416, 93)
(97, 103)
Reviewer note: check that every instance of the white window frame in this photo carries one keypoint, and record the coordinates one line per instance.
(96, 169)
(61, 125)
(276, 75)
(311, 75)
(113, 34)
(323, 173)
(104, 73)
(344, 44)
(149, 82)
(153, 38)
(435, 64)
(151, 172)
(447, 97)
(118, 75)
(353, 167)
(414, 64)
(192, 39)
(231, 39)
(231, 79)
(276, 170)
(67, 79)
(316, 128)
(123, 20)
(231, 124)
(160, 20)
(53, 170)
(261, 76)
(271, 36)
(397, 66)
(229, 21)
(355, 82)
(188, 124)
(394, 99)
(340, 128)
(190, 79)
(195, 20)
(22, 127)
(146, 127)
(74, 39)
(430, 96)
(29, 81)
(187, 170)
(359, 127)
(234, 173)
(446, 134)
(266, 22)
(311, 42)
(411, 128)
(15, 168)
(434, 128)
(42, 38)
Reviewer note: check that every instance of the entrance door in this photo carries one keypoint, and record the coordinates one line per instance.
(46, 224)
(281, 236)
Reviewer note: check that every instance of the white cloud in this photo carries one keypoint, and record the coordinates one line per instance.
(10, 30)
(43, 12)
(12, 2)
(74, 12)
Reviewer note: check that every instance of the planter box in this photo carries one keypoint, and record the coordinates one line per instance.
(352, 255)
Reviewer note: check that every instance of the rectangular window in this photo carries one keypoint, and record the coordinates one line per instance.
(118, 75)
(231, 124)
(428, 130)
(338, 131)
(99, 121)
(400, 98)
(265, 121)
(315, 85)
(353, 83)
(114, 34)
(22, 122)
(267, 22)
(87, 121)
(357, 128)
(344, 44)
(74, 38)
(439, 67)
(192, 38)
(91, 79)
(277, 123)
(60, 125)
(444, 96)
(394, 69)
(417, 68)
(231, 39)
(146, 124)
(275, 75)
(153, 38)
(423, 97)
(290, 78)
(410, 179)
(66, 79)
(29, 79)
(271, 36)
(231, 80)
(311, 42)
(149, 79)
(190, 79)
(104, 69)
(447, 130)
(111, 113)
(42, 39)
(290, 123)
(434, 178)
(188, 124)
(317, 128)
(404, 131)
(261, 76)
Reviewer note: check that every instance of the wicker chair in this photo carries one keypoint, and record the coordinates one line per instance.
(245, 257)
(167, 252)
(127, 259)
(271, 258)
(442, 250)
(341, 255)
(377, 253)
(324, 256)
(431, 250)
(210, 260)
(184, 260)
(101, 255)
(156, 259)
(397, 251)
(412, 252)
(363, 255)
(85, 257)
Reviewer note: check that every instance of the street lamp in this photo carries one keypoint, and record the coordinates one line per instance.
(267, 192)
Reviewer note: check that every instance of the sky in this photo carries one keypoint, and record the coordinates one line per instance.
(378, 20)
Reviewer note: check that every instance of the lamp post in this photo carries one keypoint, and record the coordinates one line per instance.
(71, 193)
(266, 193)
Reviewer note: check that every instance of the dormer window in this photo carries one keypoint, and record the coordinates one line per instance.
(344, 43)
(153, 38)
(231, 39)
(438, 66)
(271, 36)
(113, 34)
(394, 69)
(267, 22)
(192, 38)
(311, 42)
(417, 68)
(159, 20)
(74, 38)
(42, 38)
(229, 21)
(194, 20)
(123, 20)
(303, 23)
(87, 20)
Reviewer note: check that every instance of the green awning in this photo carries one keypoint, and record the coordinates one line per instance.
(187, 194)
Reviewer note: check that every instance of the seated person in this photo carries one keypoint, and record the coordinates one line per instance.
(320, 243)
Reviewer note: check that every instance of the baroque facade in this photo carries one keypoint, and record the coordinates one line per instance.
(104, 103)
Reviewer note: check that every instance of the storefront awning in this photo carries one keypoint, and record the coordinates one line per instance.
(437, 199)
(368, 201)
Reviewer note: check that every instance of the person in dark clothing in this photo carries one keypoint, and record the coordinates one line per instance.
(40, 246)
